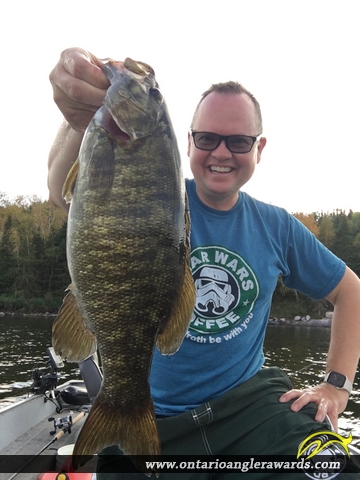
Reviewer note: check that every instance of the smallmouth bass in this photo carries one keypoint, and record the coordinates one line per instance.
(128, 252)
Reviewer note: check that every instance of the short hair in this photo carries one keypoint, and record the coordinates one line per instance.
(229, 88)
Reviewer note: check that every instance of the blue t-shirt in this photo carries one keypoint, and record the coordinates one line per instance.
(236, 258)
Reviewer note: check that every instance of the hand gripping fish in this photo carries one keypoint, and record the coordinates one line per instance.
(128, 252)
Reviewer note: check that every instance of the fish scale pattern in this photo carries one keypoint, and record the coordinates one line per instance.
(128, 251)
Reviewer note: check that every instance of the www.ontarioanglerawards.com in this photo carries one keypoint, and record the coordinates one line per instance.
(246, 465)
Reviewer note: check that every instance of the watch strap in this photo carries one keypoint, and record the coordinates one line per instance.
(346, 386)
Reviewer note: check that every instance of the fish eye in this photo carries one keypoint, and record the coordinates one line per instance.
(155, 93)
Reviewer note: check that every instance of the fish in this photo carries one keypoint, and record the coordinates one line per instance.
(128, 251)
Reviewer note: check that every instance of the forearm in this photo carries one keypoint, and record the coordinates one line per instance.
(343, 354)
(63, 154)
(344, 350)
(79, 87)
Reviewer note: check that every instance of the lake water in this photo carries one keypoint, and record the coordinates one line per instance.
(23, 343)
(299, 350)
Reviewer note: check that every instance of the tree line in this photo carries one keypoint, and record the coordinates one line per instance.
(33, 268)
(339, 231)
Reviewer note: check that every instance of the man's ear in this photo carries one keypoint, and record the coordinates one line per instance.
(261, 145)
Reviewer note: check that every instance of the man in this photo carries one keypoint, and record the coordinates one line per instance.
(213, 397)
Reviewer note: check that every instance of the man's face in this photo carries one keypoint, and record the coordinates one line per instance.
(219, 174)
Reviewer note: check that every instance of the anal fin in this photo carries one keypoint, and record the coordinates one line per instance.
(71, 338)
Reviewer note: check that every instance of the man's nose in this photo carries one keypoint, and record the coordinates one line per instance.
(222, 150)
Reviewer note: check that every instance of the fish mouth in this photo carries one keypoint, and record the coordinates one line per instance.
(219, 169)
(111, 126)
(119, 127)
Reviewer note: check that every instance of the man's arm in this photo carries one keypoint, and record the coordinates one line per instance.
(343, 355)
(63, 154)
(79, 87)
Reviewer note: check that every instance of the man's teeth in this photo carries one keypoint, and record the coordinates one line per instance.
(220, 169)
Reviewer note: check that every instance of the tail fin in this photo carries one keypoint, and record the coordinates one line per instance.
(135, 432)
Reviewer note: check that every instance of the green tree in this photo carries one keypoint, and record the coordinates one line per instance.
(33, 267)
(356, 255)
(58, 277)
(326, 231)
(343, 241)
(8, 264)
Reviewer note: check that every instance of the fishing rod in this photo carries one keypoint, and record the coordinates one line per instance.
(65, 424)
(302, 369)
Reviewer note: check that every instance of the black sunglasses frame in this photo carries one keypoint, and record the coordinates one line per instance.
(224, 137)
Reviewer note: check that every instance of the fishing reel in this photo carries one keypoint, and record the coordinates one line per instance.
(63, 424)
(42, 381)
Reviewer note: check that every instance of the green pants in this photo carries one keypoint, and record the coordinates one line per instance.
(247, 421)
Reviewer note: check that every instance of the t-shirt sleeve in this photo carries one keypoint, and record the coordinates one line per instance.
(312, 268)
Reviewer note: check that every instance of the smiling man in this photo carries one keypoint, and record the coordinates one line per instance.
(213, 397)
(223, 166)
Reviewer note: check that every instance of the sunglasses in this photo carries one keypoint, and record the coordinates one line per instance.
(234, 143)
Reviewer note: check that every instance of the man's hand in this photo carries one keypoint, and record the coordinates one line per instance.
(329, 399)
(343, 354)
(79, 86)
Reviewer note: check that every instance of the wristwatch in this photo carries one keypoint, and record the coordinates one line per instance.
(339, 381)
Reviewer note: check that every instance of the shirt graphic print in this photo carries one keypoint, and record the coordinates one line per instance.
(226, 290)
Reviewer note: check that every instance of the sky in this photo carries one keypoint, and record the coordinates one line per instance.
(299, 59)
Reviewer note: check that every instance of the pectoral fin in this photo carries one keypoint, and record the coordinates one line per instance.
(70, 182)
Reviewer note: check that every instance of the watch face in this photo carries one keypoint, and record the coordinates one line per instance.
(336, 379)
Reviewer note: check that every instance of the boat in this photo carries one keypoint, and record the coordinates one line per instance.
(41, 429)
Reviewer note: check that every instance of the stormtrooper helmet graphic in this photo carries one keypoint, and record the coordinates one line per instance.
(214, 291)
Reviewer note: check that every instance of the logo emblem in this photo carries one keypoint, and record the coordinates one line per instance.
(330, 448)
(226, 289)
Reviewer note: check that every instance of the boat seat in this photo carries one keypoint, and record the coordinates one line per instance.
(92, 376)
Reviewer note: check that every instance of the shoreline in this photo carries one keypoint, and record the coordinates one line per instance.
(302, 322)
(272, 321)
